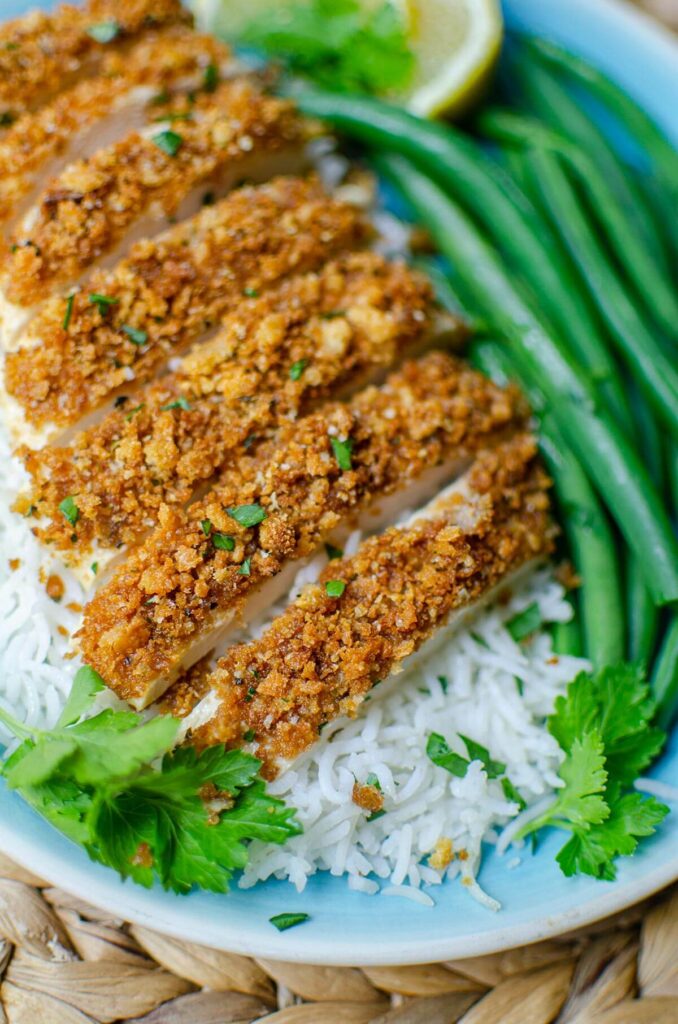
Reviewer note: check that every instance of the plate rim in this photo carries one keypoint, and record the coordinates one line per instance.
(111, 895)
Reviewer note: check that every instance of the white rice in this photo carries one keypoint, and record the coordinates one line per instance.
(481, 665)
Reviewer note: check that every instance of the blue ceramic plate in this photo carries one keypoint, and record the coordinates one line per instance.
(348, 927)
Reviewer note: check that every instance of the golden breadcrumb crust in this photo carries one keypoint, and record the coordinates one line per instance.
(183, 581)
(323, 655)
(158, 60)
(87, 210)
(276, 355)
(174, 289)
(42, 54)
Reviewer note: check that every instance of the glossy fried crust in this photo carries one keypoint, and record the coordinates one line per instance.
(41, 54)
(173, 288)
(277, 354)
(323, 655)
(157, 60)
(179, 584)
(87, 210)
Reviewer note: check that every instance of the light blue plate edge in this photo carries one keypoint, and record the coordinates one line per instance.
(350, 928)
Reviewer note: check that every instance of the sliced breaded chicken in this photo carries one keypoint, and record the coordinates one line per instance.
(275, 357)
(167, 294)
(43, 54)
(368, 613)
(97, 208)
(132, 90)
(191, 579)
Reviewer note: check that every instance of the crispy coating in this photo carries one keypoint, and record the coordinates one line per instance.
(173, 289)
(276, 356)
(42, 54)
(158, 60)
(323, 655)
(88, 209)
(181, 584)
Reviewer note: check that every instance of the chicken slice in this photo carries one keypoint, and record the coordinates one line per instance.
(43, 54)
(275, 357)
(201, 571)
(97, 208)
(167, 294)
(132, 89)
(402, 592)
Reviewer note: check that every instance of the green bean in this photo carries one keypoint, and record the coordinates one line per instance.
(646, 359)
(460, 165)
(653, 287)
(507, 215)
(545, 94)
(610, 461)
(632, 116)
(587, 527)
(665, 677)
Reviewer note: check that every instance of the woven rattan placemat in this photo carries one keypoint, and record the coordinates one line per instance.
(63, 962)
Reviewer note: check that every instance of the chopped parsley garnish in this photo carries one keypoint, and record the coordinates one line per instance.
(206, 526)
(95, 568)
(604, 725)
(342, 452)
(222, 541)
(372, 780)
(511, 793)
(247, 515)
(210, 78)
(135, 334)
(69, 312)
(375, 815)
(249, 735)
(440, 753)
(168, 141)
(345, 45)
(298, 368)
(251, 293)
(284, 921)
(69, 510)
(332, 552)
(134, 411)
(180, 403)
(525, 623)
(443, 683)
(246, 568)
(335, 588)
(102, 302)
(117, 785)
(477, 752)
(104, 31)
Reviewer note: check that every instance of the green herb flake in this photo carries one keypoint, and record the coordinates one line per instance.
(342, 452)
(444, 683)
(135, 334)
(102, 302)
(477, 752)
(132, 413)
(249, 735)
(375, 815)
(297, 369)
(168, 141)
(222, 541)
(512, 794)
(206, 526)
(373, 780)
(284, 921)
(247, 515)
(180, 403)
(69, 510)
(104, 31)
(335, 588)
(333, 553)
(440, 753)
(525, 623)
(210, 78)
(69, 312)
(95, 568)
(251, 293)
(246, 568)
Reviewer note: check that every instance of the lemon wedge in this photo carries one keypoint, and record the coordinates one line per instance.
(456, 44)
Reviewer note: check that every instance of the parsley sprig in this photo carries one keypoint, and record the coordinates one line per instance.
(113, 783)
(344, 44)
(604, 725)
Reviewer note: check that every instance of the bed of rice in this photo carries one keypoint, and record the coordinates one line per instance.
(479, 682)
